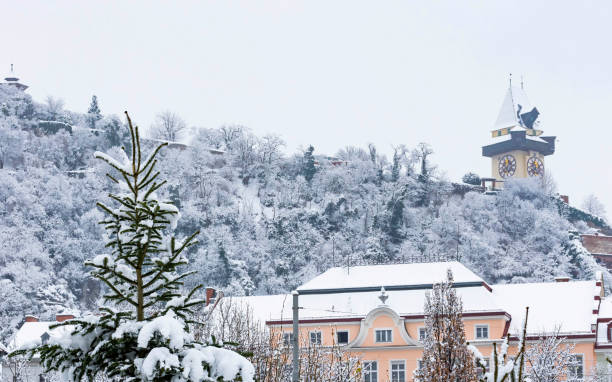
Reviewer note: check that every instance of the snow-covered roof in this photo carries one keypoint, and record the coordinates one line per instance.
(390, 275)
(358, 304)
(30, 334)
(564, 305)
(266, 308)
(605, 308)
(515, 100)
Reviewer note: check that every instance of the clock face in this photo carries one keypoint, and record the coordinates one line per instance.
(506, 166)
(535, 166)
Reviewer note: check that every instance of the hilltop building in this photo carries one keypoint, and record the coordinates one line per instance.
(33, 332)
(344, 307)
(600, 247)
(520, 148)
(12, 80)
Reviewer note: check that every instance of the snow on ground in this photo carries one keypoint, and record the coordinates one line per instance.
(249, 200)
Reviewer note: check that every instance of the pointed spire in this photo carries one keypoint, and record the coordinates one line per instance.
(507, 112)
(516, 110)
(13, 80)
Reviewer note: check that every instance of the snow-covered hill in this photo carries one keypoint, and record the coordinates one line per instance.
(267, 222)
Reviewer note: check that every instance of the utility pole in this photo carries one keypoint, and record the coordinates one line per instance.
(295, 338)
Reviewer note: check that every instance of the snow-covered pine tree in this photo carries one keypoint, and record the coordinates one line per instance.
(446, 356)
(309, 169)
(93, 113)
(142, 335)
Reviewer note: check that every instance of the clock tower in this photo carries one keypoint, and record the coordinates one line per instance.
(519, 148)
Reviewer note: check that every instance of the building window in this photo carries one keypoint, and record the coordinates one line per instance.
(419, 364)
(342, 337)
(315, 338)
(370, 371)
(383, 335)
(482, 332)
(487, 364)
(287, 337)
(398, 371)
(422, 334)
(576, 368)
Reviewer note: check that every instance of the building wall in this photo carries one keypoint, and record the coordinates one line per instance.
(32, 371)
(521, 157)
(399, 350)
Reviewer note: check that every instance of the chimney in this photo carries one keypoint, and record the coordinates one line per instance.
(63, 317)
(30, 318)
(210, 295)
(565, 198)
(562, 279)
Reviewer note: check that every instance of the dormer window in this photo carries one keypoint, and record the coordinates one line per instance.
(482, 332)
(44, 338)
(384, 335)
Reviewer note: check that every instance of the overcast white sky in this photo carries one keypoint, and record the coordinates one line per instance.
(336, 73)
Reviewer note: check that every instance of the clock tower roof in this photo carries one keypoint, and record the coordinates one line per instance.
(517, 111)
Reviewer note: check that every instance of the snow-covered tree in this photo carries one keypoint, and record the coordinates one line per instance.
(308, 167)
(142, 332)
(168, 126)
(471, 178)
(232, 321)
(446, 356)
(93, 113)
(594, 206)
(505, 368)
(548, 359)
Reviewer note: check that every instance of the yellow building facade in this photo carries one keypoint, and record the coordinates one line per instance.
(518, 149)
(341, 307)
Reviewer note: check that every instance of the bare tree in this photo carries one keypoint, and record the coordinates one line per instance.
(168, 126)
(548, 359)
(244, 154)
(549, 186)
(269, 148)
(231, 133)
(54, 106)
(594, 206)
(352, 153)
(422, 153)
(233, 322)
